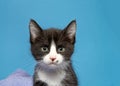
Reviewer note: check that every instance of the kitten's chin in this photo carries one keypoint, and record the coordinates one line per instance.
(51, 67)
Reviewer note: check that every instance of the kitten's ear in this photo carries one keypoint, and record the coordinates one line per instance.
(35, 30)
(70, 31)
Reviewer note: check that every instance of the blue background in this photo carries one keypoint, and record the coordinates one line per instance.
(97, 55)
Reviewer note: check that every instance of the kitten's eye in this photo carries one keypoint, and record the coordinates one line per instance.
(61, 49)
(44, 49)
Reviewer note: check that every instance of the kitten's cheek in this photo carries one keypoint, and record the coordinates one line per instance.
(60, 59)
(46, 60)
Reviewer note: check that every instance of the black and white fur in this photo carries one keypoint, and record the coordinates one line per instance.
(52, 49)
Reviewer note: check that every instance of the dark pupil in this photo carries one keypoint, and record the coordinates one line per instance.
(61, 49)
(44, 48)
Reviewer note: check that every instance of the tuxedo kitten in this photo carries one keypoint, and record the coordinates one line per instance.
(52, 49)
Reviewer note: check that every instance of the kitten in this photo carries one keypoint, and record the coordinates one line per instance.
(52, 49)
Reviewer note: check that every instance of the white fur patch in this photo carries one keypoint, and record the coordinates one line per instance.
(52, 79)
(53, 54)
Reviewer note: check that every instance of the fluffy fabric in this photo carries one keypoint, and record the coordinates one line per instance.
(18, 78)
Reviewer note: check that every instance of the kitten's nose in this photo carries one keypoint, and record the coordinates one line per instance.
(52, 58)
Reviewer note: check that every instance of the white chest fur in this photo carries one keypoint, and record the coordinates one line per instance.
(52, 79)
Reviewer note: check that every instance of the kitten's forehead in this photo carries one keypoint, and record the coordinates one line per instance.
(53, 34)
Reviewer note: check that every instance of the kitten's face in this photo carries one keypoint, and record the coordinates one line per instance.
(52, 48)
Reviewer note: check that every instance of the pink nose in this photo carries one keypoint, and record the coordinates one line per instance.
(52, 58)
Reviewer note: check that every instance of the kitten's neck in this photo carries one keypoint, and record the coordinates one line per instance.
(52, 78)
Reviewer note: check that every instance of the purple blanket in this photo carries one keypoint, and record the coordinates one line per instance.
(18, 78)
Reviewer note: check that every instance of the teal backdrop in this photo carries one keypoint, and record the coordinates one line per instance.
(97, 51)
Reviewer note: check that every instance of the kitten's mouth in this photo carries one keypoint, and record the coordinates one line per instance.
(52, 64)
